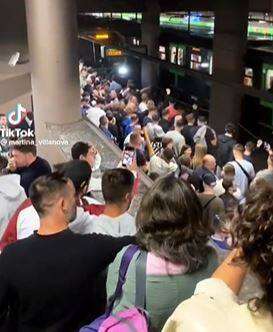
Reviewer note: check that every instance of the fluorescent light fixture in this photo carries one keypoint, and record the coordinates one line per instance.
(204, 65)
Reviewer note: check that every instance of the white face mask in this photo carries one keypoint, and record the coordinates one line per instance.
(97, 162)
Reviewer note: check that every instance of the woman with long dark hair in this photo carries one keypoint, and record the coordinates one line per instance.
(170, 228)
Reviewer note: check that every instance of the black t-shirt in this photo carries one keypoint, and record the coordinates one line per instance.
(28, 174)
(147, 120)
(188, 132)
(225, 149)
(198, 177)
(53, 283)
(210, 137)
(165, 125)
(142, 116)
(113, 129)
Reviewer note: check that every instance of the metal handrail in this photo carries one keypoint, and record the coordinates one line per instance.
(248, 131)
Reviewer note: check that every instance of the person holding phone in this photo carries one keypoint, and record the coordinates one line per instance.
(136, 142)
(129, 155)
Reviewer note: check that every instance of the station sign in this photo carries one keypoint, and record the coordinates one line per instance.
(112, 52)
(102, 36)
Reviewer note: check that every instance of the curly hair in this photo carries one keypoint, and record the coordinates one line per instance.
(170, 223)
(253, 233)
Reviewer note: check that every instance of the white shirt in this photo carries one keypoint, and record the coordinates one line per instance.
(28, 221)
(12, 195)
(241, 180)
(154, 131)
(219, 190)
(161, 167)
(127, 139)
(142, 106)
(215, 308)
(122, 225)
(94, 114)
(178, 140)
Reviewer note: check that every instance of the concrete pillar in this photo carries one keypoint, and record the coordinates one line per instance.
(53, 48)
(14, 82)
(230, 43)
(150, 31)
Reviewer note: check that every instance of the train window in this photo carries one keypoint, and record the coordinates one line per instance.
(173, 53)
(248, 79)
(162, 52)
(201, 60)
(269, 79)
(267, 83)
(180, 56)
(136, 41)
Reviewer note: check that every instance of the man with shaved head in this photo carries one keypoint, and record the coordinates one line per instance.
(208, 167)
(209, 163)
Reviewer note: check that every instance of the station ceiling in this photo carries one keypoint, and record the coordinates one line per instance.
(118, 6)
(13, 32)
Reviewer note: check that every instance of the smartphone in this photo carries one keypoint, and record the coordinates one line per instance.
(128, 156)
(267, 146)
(259, 143)
(168, 91)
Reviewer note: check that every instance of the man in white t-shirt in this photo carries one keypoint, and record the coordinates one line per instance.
(94, 113)
(117, 190)
(177, 137)
(244, 170)
(163, 164)
(227, 173)
(154, 130)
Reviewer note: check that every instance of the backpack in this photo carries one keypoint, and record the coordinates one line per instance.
(199, 137)
(245, 172)
(133, 319)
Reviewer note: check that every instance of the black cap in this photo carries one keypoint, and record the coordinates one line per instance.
(209, 179)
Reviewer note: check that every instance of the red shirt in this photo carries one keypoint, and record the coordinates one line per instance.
(172, 113)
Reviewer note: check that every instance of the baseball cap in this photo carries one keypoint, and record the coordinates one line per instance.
(209, 179)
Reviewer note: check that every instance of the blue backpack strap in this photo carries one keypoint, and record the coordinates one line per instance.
(125, 262)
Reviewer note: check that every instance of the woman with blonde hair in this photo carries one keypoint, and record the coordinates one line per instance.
(199, 154)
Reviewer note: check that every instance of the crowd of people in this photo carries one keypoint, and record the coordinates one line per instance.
(70, 262)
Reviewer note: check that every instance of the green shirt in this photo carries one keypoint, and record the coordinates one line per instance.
(163, 293)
